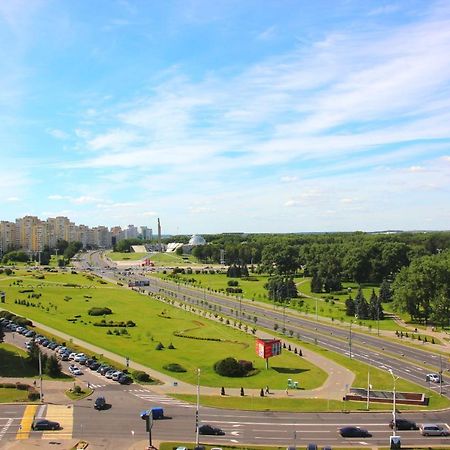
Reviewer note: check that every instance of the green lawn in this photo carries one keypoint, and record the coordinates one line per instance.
(159, 259)
(13, 364)
(269, 403)
(66, 298)
(122, 256)
(11, 395)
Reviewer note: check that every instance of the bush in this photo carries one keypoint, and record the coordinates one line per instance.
(230, 367)
(33, 396)
(139, 375)
(160, 346)
(174, 367)
(77, 389)
(95, 311)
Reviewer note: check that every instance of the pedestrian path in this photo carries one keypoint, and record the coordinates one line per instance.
(145, 394)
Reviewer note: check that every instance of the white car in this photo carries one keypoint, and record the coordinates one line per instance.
(74, 370)
(434, 377)
(72, 355)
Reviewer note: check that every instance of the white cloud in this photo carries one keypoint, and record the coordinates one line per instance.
(13, 199)
(58, 134)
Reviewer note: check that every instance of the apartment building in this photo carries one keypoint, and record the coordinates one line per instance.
(31, 234)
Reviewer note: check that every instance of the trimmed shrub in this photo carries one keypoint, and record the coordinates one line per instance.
(95, 311)
(175, 367)
(139, 375)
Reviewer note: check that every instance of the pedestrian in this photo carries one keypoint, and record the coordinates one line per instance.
(242, 392)
(287, 392)
(222, 391)
(262, 392)
(267, 390)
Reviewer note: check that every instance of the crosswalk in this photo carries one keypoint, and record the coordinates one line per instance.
(145, 394)
(63, 414)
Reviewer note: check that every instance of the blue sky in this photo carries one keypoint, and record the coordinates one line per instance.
(219, 116)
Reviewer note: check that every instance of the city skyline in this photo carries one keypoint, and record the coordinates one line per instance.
(225, 116)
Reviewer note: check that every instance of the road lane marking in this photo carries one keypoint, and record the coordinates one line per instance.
(64, 415)
(25, 423)
(5, 428)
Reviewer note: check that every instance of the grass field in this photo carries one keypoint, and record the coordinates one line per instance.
(191, 445)
(13, 364)
(10, 395)
(159, 259)
(66, 298)
(121, 256)
(269, 403)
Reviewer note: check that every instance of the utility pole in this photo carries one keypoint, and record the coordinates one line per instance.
(41, 395)
(350, 340)
(197, 409)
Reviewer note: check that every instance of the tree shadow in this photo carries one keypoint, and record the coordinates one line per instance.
(289, 370)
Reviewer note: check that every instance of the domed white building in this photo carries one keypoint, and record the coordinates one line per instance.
(196, 239)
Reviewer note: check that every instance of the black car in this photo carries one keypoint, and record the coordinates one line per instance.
(94, 366)
(44, 424)
(125, 379)
(208, 429)
(354, 432)
(404, 424)
(100, 403)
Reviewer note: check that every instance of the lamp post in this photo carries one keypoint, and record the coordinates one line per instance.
(41, 394)
(197, 409)
(394, 417)
(350, 340)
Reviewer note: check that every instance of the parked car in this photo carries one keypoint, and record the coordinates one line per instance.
(125, 379)
(44, 424)
(210, 430)
(100, 403)
(433, 429)
(80, 357)
(94, 366)
(109, 374)
(74, 370)
(354, 432)
(116, 375)
(434, 377)
(311, 447)
(72, 356)
(404, 424)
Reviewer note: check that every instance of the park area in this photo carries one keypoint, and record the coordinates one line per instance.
(147, 330)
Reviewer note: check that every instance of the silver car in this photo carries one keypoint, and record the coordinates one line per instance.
(433, 429)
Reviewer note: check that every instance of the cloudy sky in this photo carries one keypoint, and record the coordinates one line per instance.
(227, 115)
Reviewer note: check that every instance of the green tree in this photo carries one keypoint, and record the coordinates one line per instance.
(385, 293)
(350, 306)
(52, 367)
(361, 305)
(375, 308)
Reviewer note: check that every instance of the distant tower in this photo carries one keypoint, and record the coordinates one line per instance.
(159, 236)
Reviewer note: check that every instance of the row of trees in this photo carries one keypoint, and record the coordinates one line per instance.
(330, 257)
(423, 289)
(64, 249)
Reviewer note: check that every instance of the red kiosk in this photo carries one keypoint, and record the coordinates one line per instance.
(266, 348)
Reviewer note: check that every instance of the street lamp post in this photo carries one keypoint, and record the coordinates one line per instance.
(197, 409)
(350, 340)
(394, 412)
(41, 394)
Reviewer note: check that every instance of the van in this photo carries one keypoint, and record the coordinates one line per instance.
(157, 413)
